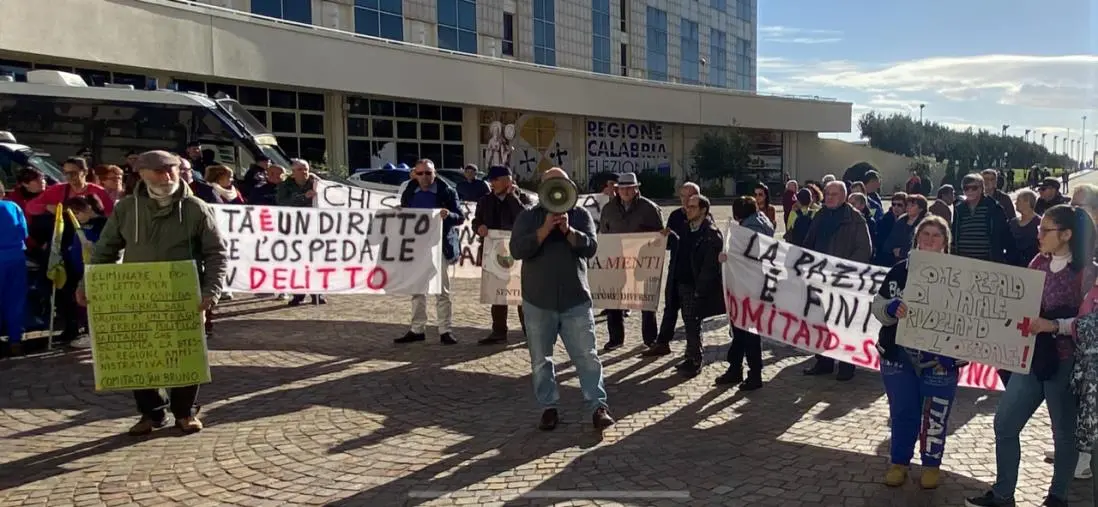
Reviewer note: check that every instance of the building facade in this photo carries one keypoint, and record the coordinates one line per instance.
(589, 86)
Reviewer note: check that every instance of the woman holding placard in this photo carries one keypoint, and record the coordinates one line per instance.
(1066, 240)
(920, 385)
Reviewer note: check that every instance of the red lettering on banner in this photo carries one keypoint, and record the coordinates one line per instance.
(981, 375)
(868, 357)
(325, 273)
(252, 277)
(802, 334)
(376, 279)
(266, 222)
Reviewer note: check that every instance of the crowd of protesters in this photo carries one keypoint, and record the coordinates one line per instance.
(1042, 230)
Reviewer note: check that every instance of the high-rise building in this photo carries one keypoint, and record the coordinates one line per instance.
(590, 85)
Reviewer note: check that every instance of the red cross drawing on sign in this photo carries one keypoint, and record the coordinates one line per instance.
(1023, 326)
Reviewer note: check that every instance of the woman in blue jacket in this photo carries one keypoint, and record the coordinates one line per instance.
(13, 273)
(920, 385)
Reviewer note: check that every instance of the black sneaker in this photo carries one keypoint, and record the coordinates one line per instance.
(447, 339)
(611, 346)
(1055, 501)
(729, 378)
(752, 383)
(493, 338)
(988, 500)
(411, 337)
(549, 420)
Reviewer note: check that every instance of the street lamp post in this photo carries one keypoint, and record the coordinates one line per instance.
(1005, 127)
(1066, 137)
(1026, 137)
(921, 107)
(1055, 143)
(1083, 139)
(1043, 136)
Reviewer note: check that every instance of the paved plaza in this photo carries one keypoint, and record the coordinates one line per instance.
(315, 406)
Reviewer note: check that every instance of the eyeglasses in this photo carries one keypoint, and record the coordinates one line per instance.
(423, 173)
(973, 188)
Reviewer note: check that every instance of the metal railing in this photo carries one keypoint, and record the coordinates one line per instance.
(423, 48)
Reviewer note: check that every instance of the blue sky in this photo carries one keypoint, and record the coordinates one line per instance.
(980, 63)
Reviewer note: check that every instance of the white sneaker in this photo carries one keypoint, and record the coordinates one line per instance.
(283, 297)
(1082, 469)
(226, 296)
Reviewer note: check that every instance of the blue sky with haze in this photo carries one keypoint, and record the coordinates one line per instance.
(980, 63)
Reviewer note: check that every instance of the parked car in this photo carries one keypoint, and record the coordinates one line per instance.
(14, 157)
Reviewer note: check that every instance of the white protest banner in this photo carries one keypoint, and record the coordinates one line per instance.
(331, 251)
(970, 309)
(625, 274)
(330, 194)
(811, 301)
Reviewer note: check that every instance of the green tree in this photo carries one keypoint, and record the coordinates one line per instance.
(721, 154)
(965, 151)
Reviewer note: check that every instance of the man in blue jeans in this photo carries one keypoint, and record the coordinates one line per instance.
(554, 248)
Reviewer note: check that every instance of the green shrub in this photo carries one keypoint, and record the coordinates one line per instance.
(656, 185)
(713, 190)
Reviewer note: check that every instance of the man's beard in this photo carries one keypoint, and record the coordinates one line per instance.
(163, 189)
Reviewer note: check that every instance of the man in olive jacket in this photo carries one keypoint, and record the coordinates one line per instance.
(629, 212)
(162, 221)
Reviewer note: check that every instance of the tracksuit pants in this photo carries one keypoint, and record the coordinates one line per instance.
(919, 402)
(13, 293)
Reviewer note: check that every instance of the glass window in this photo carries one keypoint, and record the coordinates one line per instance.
(508, 34)
(545, 38)
(314, 149)
(383, 129)
(432, 151)
(250, 96)
(719, 5)
(600, 36)
(283, 99)
(451, 133)
(311, 123)
(457, 25)
(381, 107)
(283, 122)
(453, 156)
(137, 81)
(384, 18)
(300, 11)
(94, 77)
(743, 10)
(356, 105)
(358, 154)
(689, 58)
(429, 112)
(453, 114)
(407, 153)
(407, 110)
(261, 116)
(186, 85)
(657, 44)
(310, 101)
(718, 58)
(407, 130)
(430, 131)
(357, 127)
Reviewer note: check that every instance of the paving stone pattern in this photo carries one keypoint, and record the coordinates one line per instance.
(315, 406)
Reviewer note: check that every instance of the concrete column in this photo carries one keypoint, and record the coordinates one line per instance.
(470, 136)
(678, 156)
(579, 149)
(335, 131)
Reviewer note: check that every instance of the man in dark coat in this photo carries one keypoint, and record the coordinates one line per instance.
(678, 224)
(698, 278)
(840, 231)
(498, 210)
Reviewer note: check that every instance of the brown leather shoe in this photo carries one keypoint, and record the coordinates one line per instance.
(189, 425)
(549, 420)
(145, 426)
(657, 350)
(601, 419)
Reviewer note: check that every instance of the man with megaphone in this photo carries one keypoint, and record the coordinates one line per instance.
(553, 240)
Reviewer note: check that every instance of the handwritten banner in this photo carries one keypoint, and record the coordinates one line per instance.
(332, 251)
(145, 325)
(335, 195)
(626, 273)
(811, 301)
(971, 309)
